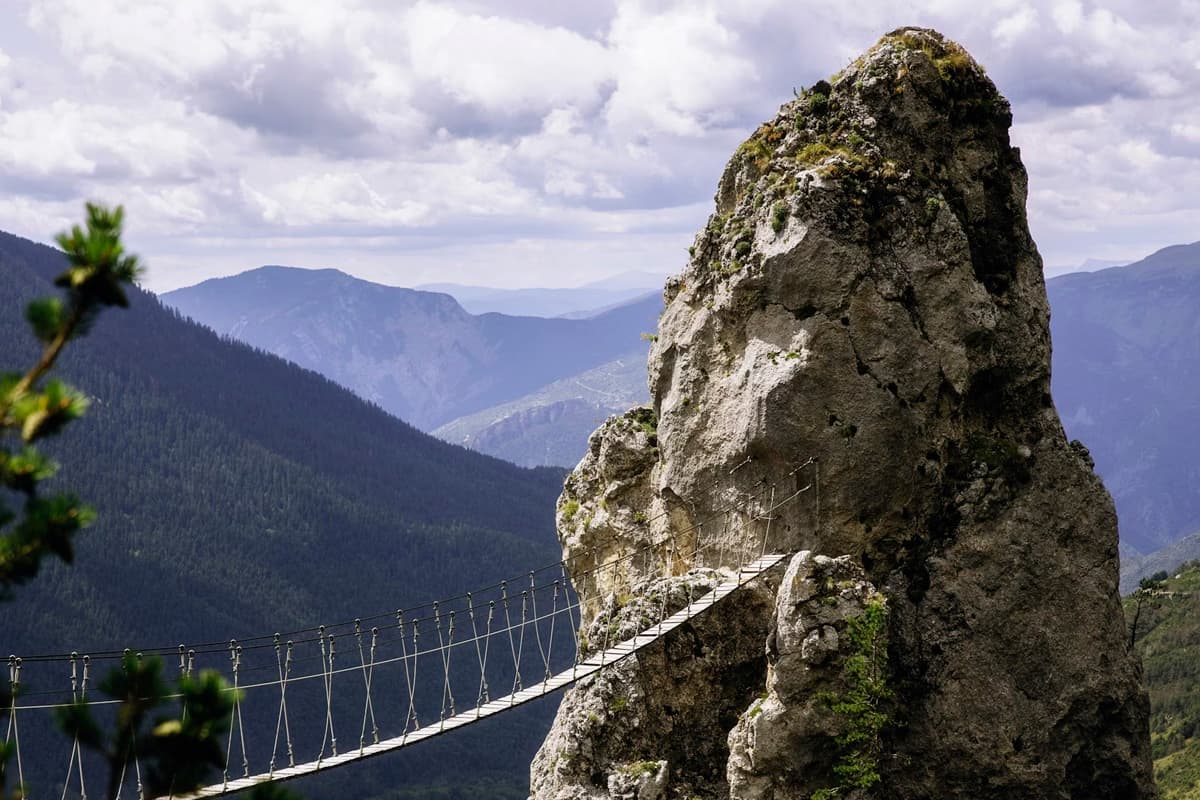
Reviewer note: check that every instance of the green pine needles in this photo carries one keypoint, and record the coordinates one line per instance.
(98, 274)
(179, 752)
(863, 705)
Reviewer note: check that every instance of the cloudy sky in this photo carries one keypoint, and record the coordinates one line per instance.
(538, 142)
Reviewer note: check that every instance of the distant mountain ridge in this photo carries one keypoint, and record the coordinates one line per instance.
(1126, 382)
(418, 355)
(1087, 265)
(551, 426)
(576, 303)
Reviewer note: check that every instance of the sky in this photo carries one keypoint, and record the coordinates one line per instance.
(538, 142)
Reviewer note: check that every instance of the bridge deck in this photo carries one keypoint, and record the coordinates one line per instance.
(589, 666)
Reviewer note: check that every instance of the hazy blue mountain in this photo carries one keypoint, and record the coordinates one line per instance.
(551, 426)
(581, 302)
(239, 494)
(591, 312)
(1087, 265)
(630, 279)
(418, 355)
(1126, 382)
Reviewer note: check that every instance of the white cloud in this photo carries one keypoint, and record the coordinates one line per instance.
(1139, 155)
(680, 71)
(65, 138)
(1187, 130)
(1067, 15)
(406, 135)
(504, 66)
(41, 142)
(1104, 182)
(171, 40)
(36, 218)
(1016, 25)
(340, 197)
(1161, 83)
(9, 83)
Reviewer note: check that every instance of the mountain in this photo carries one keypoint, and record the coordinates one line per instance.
(1087, 265)
(591, 312)
(418, 355)
(1126, 356)
(551, 426)
(1126, 382)
(583, 301)
(1134, 567)
(239, 494)
(630, 279)
(1126, 363)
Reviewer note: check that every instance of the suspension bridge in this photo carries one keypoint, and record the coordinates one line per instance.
(320, 698)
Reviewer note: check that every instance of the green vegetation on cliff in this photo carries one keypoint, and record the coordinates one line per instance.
(1168, 640)
(863, 706)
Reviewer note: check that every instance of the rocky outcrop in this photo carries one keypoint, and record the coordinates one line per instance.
(655, 725)
(867, 294)
(783, 745)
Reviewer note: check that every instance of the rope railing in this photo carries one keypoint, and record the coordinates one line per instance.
(394, 678)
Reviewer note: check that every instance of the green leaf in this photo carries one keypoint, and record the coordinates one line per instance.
(51, 522)
(76, 720)
(169, 727)
(22, 471)
(45, 413)
(99, 268)
(138, 684)
(8, 382)
(45, 316)
(181, 751)
(97, 271)
(33, 422)
(47, 527)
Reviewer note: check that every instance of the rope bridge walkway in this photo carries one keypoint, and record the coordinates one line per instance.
(315, 699)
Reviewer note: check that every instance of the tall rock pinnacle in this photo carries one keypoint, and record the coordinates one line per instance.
(867, 295)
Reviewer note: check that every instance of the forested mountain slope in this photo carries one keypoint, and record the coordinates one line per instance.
(238, 494)
(417, 354)
(1168, 640)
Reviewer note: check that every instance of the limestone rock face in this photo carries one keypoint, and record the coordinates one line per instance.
(782, 745)
(655, 725)
(604, 510)
(867, 294)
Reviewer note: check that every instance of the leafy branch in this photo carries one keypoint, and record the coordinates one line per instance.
(98, 273)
